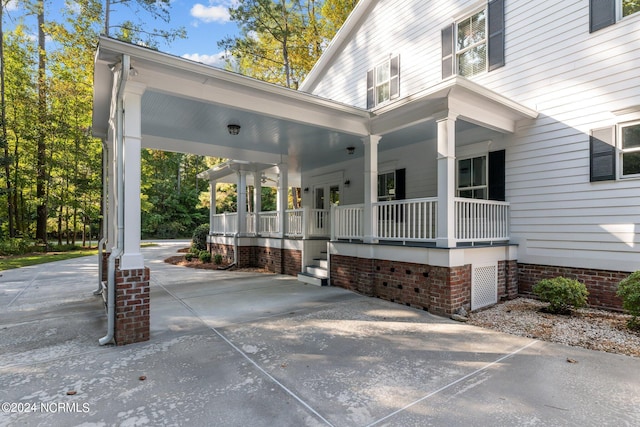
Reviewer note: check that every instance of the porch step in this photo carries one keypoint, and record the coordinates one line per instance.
(316, 270)
(322, 263)
(313, 280)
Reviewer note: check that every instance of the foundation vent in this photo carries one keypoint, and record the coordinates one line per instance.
(484, 285)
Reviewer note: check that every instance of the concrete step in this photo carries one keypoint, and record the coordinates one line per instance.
(317, 271)
(323, 263)
(312, 280)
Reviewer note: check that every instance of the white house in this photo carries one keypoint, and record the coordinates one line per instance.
(450, 153)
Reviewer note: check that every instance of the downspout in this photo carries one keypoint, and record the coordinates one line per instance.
(105, 222)
(117, 251)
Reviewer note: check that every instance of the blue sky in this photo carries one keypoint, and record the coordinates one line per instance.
(206, 22)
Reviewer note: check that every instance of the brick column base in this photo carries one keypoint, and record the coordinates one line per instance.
(132, 306)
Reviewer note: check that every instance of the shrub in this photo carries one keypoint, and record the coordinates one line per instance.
(14, 246)
(217, 259)
(199, 238)
(205, 256)
(562, 294)
(629, 291)
(189, 256)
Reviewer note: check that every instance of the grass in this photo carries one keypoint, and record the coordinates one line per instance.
(17, 261)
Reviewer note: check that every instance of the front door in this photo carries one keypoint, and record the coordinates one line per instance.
(325, 196)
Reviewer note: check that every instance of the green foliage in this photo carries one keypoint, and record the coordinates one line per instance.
(199, 238)
(189, 256)
(562, 294)
(629, 291)
(14, 246)
(205, 256)
(217, 259)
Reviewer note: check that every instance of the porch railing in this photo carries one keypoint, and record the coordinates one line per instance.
(407, 220)
(300, 223)
(347, 222)
(415, 220)
(481, 220)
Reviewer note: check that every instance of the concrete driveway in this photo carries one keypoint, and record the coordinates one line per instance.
(248, 349)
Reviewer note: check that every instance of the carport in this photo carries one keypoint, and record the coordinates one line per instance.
(147, 99)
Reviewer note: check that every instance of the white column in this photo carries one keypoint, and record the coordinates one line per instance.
(242, 202)
(132, 258)
(112, 216)
(283, 197)
(446, 141)
(370, 186)
(257, 200)
(212, 203)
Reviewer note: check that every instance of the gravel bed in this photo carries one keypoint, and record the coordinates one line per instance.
(589, 328)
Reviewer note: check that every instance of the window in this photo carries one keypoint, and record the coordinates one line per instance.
(474, 44)
(603, 13)
(386, 186)
(630, 7)
(391, 185)
(471, 45)
(615, 152)
(630, 150)
(472, 178)
(383, 82)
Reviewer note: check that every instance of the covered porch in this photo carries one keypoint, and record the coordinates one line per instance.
(148, 99)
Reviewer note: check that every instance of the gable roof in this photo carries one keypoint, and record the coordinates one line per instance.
(344, 34)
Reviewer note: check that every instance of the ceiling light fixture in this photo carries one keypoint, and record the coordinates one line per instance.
(233, 129)
(351, 149)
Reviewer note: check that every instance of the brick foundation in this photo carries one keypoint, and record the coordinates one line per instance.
(440, 290)
(275, 260)
(132, 306)
(507, 280)
(601, 284)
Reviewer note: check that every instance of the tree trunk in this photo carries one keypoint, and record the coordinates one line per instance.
(4, 142)
(41, 170)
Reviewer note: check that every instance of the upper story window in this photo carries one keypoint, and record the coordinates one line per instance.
(630, 150)
(383, 82)
(471, 44)
(475, 43)
(603, 13)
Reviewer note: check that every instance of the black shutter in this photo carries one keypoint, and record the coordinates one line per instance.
(394, 77)
(602, 13)
(602, 150)
(447, 52)
(497, 176)
(370, 90)
(401, 184)
(496, 34)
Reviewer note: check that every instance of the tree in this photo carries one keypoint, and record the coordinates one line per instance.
(281, 40)
(4, 143)
(138, 32)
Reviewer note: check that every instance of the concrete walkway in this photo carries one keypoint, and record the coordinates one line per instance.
(247, 349)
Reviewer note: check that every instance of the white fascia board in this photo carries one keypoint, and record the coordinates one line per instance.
(343, 35)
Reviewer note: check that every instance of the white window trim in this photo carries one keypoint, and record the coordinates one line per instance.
(486, 172)
(457, 52)
(622, 151)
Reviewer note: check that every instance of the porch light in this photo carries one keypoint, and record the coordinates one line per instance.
(351, 149)
(233, 129)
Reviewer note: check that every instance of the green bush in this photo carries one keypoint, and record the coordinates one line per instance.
(14, 246)
(629, 291)
(189, 256)
(205, 256)
(199, 238)
(217, 259)
(562, 294)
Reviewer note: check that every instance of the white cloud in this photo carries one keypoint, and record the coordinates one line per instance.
(212, 13)
(12, 5)
(216, 60)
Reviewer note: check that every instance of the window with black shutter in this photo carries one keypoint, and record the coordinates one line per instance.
(602, 13)
(383, 82)
(602, 154)
(497, 175)
(475, 44)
